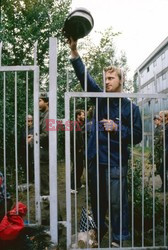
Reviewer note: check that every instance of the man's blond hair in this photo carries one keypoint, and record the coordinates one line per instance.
(164, 113)
(118, 70)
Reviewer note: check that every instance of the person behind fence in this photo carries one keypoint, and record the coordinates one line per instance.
(164, 140)
(4, 194)
(79, 153)
(158, 145)
(114, 127)
(23, 150)
(44, 154)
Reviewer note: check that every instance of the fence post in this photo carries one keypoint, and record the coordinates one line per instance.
(53, 141)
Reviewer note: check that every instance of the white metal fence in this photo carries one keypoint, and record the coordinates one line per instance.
(148, 215)
(30, 79)
(151, 202)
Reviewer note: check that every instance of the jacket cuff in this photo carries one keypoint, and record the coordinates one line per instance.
(73, 58)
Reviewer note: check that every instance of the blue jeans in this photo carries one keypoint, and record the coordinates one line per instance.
(114, 200)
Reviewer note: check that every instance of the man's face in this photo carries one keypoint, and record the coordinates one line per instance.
(161, 117)
(43, 105)
(112, 82)
(81, 117)
(157, 122)
(30, 122)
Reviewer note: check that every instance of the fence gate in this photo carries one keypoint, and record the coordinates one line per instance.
(23, 81)
(148, 208)
(144, 199)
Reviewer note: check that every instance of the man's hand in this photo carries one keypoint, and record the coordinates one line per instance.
(109, 125)
(29, 139)
(73, 47)
(72, 44)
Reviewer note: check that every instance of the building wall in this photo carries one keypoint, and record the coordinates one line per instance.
(152, 77)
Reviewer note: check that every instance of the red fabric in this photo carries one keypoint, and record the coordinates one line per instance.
(13, 223)
(1, 181)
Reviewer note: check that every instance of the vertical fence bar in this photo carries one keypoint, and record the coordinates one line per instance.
(120, 164)
(86, 159)
(35, 53)
(85, 89)
(37, 146)
(132, 173)
(109, 182)
(0, 53)
(16, 143)
(4, 137)
(27, 149)
(75, 157)
(67, 86)
(53, 141)
(164, 177)
(153, 172)
(104, 81)
(68, 172)
(85, 80)
(120, 153)
(97, 160)
(86, 162)
(143, 172)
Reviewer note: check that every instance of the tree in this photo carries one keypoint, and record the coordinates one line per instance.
(27, 21)
(22, 23)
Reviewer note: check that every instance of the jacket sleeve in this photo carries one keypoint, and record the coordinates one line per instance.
(79, 68)
(44, 135)
(126, 130)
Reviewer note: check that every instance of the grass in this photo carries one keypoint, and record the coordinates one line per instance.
(80, 200)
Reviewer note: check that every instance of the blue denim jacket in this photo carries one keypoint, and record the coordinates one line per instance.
(124, 124)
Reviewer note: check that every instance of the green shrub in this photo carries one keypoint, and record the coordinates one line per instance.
(140, 198)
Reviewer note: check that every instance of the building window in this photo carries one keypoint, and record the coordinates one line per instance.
(154, 63)
(148, 87)
(148, 69)
(164, 76)
(163, 56)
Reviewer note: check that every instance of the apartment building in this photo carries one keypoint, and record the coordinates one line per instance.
(151, 77)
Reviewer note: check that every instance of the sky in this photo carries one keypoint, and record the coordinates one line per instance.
(143, 24)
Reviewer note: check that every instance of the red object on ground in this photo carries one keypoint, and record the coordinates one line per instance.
(13, 223)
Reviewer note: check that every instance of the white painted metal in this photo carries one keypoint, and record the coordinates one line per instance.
(27, 149)
(143, 171)
(68, 173)
(115, 95)
(53, 197)
(37, 146)
(0, 52)
(16, 144)
(132, 174)
(97, 168)
(53, 141)
(120, 165)
(17, 68)
(132, 97)
(4, 133)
